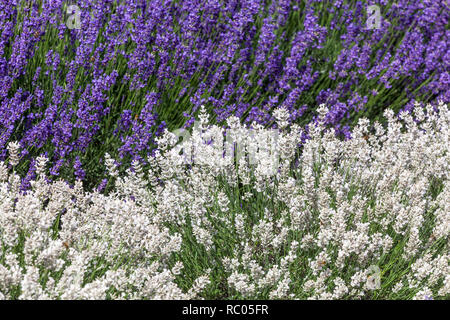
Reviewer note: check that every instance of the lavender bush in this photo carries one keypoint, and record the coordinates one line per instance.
(136, 67)
(318, 167)
(365, 218)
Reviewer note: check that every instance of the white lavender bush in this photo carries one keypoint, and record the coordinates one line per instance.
(365, 218)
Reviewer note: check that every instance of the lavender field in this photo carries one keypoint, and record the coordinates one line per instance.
(224, 149)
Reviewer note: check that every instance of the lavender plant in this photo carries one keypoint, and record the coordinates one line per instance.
(363, 218)
(135, 67)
